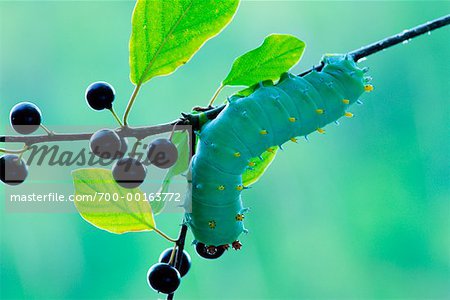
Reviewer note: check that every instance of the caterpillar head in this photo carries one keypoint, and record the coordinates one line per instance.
(209, 252)
(333, 58)
(343, 65)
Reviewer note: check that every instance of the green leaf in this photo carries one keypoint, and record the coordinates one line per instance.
(116, 215)
(181, 140)
(277, 54)
(247, 91)
(166, 34)
(252, 175)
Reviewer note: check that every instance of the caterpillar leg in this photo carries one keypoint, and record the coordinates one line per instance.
(236, 245)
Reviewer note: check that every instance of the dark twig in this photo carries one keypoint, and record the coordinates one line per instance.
(179, 253)
(368, 50)
(213, 112)
(406, 35)
(137, 132)
(393, 40)
(184, 228)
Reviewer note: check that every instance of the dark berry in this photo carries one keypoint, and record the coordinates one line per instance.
(13, 171)
(210, 252)
(163, 278)
(185, 260)
(25, 117)
(100, 95)
(129, 172)
(162, 153)
(105, 143)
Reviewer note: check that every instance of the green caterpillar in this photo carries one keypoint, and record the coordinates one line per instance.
(248, 126)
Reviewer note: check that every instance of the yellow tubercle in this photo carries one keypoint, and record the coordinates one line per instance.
(251, 164)
(212, 224)
(292, 119)
(345, 101)
(368, 88)
(294, 140)
(240, 187)
(263, 132)
(319, 111)
(348, 114)
(237, 154)
(320, 130)
(239, 217)
(221, 187)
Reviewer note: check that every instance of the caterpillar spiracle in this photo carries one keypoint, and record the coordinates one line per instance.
(248, 126)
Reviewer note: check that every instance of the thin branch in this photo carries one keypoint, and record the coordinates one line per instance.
(184, 228)
(213, 112)
(137, 132)
(393, 40)
(179, 258)
(406, 35)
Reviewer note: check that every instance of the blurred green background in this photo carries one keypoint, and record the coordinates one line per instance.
(359, 213)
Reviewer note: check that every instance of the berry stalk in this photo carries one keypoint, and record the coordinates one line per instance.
(113, 112)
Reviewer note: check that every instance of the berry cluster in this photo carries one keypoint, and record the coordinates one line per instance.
(25, 118)
(163, 277)
(128, 171)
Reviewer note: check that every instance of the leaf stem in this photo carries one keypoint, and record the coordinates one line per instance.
(211, 102)
(164, 235)
(9, 151)
(173, 131)
(116, 117)
(130, 103)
